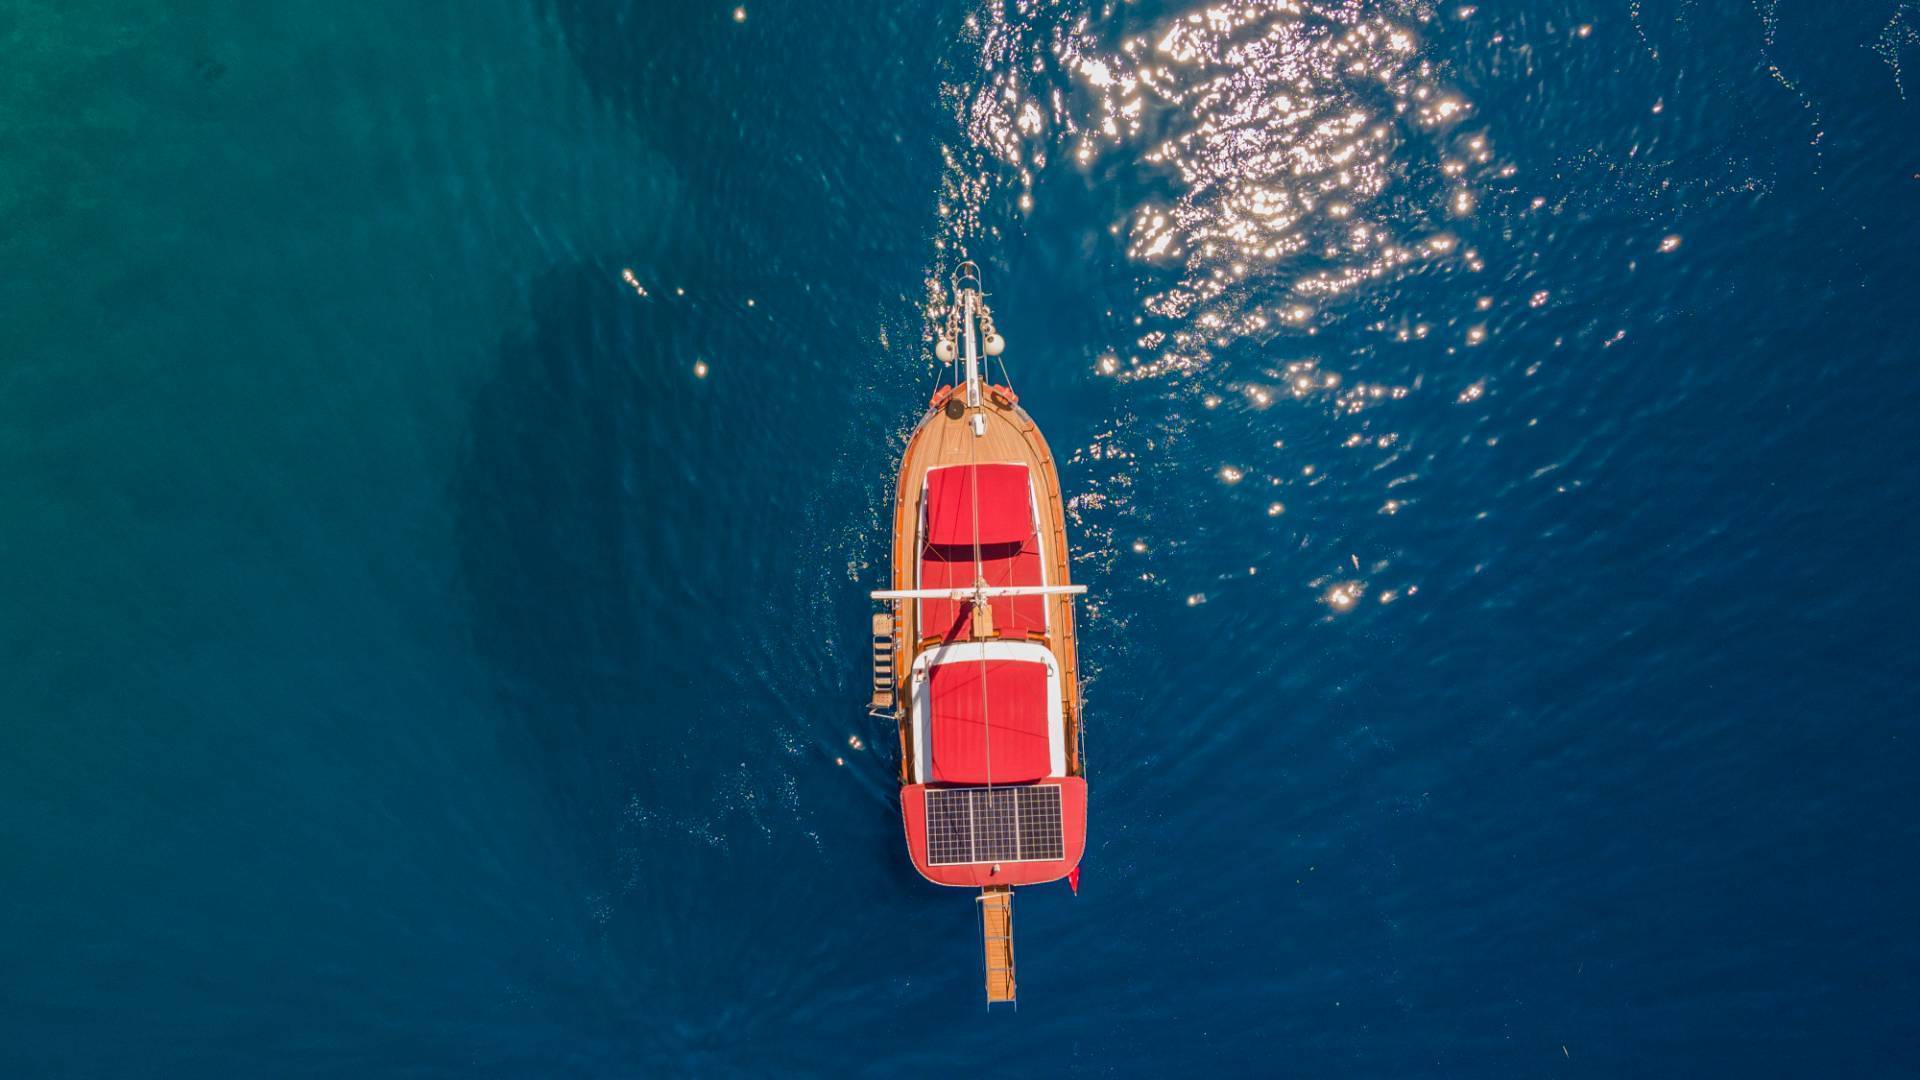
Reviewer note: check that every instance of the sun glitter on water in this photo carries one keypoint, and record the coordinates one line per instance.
(1286, 128)
(1303, 156)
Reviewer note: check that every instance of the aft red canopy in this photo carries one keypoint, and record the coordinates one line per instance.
(1006, 514)
(1009, 720)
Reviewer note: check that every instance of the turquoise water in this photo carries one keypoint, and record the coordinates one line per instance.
(1486, 428)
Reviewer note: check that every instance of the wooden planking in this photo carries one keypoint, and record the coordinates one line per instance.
(1011, 435)
(996, 935)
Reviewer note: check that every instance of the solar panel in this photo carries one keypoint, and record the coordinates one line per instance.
(983, 825)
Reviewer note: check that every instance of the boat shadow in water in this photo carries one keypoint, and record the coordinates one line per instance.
(615, 507)
(562, 532)
(591, 552)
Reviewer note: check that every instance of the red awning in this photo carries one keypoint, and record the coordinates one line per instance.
(1013, 723)
(1009, 551)
(1006, 513)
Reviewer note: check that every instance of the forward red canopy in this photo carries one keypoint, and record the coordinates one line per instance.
(1008, 720)
(1009, 548)
(1006, 517)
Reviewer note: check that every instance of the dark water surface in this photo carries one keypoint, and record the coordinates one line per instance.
(1489, 430)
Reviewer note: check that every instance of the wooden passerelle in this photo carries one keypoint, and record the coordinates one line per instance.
(996, 938)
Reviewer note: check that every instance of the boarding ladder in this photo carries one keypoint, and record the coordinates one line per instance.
(882, 702)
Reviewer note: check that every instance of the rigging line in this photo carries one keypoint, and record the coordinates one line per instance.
(943, 332)
(933, 381)
(979, 571)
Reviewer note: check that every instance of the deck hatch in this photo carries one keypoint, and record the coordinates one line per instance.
(986, 825)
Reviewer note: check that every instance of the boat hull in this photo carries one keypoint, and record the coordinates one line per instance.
(945, 438)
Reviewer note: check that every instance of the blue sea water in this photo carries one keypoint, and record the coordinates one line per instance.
(1488, 429)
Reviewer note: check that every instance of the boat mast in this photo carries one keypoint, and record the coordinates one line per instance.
(967, 282)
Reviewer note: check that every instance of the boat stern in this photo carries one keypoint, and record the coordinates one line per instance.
(977, 837)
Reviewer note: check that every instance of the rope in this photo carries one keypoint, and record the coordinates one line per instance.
(961, 319)
(979, 575)
(987, 331)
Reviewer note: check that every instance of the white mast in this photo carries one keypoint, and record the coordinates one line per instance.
(968, 282)
(968, 302)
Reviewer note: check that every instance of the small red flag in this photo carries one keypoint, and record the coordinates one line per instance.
(1073, 880)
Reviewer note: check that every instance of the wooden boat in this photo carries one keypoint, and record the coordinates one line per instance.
(975, 654)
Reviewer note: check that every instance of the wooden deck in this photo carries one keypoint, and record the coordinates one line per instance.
(944, 439)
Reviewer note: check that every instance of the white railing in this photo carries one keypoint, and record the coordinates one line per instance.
(971, 591)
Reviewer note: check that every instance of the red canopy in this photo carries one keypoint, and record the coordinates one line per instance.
(1011, 717)
(1006, 514)
(1009, 551)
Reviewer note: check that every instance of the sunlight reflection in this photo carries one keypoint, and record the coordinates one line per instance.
(1302, 157)
(1284, 126)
